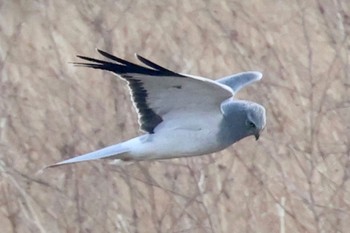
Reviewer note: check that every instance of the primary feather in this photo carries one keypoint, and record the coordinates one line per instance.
(160, 94)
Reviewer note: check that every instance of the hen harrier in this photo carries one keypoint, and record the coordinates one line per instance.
(182, 115)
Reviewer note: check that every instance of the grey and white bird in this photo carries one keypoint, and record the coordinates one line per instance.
(182, 115)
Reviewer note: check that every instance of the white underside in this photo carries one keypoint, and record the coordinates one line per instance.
(177, 141)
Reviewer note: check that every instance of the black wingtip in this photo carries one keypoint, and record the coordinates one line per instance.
(117, 59)
(155, 66)
(90, 59)
(149, 63)
(94, 63)
(104, 53)
(121, 66)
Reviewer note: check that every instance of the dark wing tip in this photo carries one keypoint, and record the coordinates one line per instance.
(155, 66)
(121, 66)
(91, 59)
(114, 58)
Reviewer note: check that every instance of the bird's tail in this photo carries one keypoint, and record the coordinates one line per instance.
(108, 152)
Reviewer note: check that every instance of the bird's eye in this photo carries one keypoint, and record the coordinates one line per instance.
(251, 124)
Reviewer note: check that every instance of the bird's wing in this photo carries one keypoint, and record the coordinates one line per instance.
(163, 95)
(240, 80)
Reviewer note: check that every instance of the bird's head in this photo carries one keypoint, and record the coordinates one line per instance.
(256, 119)
(243, 118)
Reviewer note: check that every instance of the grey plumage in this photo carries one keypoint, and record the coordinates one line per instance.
(182, 115)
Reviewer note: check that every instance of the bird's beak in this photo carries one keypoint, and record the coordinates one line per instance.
(257, 135)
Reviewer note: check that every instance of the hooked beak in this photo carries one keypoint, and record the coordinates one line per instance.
(257, 135)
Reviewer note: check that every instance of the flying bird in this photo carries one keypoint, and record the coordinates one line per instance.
(181, 115)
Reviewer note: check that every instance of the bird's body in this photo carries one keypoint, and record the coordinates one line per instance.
(185, 140)
(182, 115)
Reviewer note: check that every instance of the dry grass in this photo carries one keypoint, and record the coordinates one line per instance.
(295, 179)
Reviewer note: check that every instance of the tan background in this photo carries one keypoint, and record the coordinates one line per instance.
(294, 179)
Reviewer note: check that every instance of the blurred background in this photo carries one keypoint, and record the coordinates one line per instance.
(294, 179)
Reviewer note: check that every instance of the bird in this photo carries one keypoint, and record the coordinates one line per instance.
(180, 115)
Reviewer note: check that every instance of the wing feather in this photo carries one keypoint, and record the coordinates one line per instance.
(238, 81)
(160, 94)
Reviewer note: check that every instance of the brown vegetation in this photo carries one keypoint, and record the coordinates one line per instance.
(294, 179)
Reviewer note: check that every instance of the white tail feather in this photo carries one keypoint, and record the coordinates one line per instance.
(107, 152)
